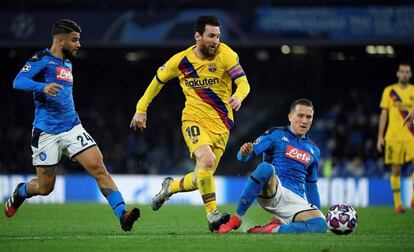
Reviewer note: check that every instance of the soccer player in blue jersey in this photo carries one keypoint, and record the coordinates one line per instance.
(57, 129)
(289, 170)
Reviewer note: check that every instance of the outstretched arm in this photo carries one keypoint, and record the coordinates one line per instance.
(165, 73)
(249, 150)
(139, 121)
(152, 90)
(25, 83)
(24, 79)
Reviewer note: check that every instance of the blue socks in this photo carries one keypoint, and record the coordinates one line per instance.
(114, 199)
(117, 203)
(258, 179)
(314, 225)
(23, 191)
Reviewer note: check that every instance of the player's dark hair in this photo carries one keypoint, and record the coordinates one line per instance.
(404, 63)
(202, 21)
(65, 26)
(301, 101)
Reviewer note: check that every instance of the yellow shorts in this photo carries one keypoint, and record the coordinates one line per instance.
(195, 135)
(399, 152)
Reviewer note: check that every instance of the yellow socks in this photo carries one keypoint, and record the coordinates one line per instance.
(395, 186)
(185, 184)
(206, 186)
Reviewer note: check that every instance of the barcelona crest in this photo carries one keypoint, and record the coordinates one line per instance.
(212, 67)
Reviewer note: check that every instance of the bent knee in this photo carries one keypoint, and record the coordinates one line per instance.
(208, 162)
(97, 168)
(265, 169)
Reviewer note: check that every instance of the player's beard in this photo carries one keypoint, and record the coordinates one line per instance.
(68, 54)
(208, 51)
(404, 81)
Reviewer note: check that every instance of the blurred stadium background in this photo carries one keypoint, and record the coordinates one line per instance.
(340, 54)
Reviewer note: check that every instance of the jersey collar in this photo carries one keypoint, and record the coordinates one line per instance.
(305, 137)
(54, 56)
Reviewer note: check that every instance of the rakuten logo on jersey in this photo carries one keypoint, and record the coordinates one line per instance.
(64, 74)
(298, 154)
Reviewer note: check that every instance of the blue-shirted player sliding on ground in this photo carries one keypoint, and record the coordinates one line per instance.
(57, 129)
(289, 170)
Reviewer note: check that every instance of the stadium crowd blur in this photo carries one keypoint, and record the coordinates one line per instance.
(346, 95)
(344, 82)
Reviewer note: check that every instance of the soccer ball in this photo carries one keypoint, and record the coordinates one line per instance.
(342, 219)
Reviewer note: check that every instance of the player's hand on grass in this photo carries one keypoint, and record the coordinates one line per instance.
(409, 118)
(52, 89)
(380, 143)
(235, 103)
(246, 149)
(139, 121)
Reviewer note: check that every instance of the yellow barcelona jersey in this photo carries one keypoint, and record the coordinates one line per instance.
(398, 102)
(207, 86)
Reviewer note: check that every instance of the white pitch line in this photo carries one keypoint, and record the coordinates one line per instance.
(19, 238)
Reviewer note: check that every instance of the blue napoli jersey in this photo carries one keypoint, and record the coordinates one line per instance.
(53, 114)
(295, 159)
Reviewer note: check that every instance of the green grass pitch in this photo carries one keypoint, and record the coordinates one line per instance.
(93, 227)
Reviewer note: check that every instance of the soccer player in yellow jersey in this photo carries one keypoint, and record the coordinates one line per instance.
(206, 72)
(397, 100)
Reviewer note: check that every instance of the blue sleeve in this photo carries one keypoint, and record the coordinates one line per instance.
(245, 159)
(263, 143)
(311, 188)
(312, 194)
(24, 79)
(260, 145)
